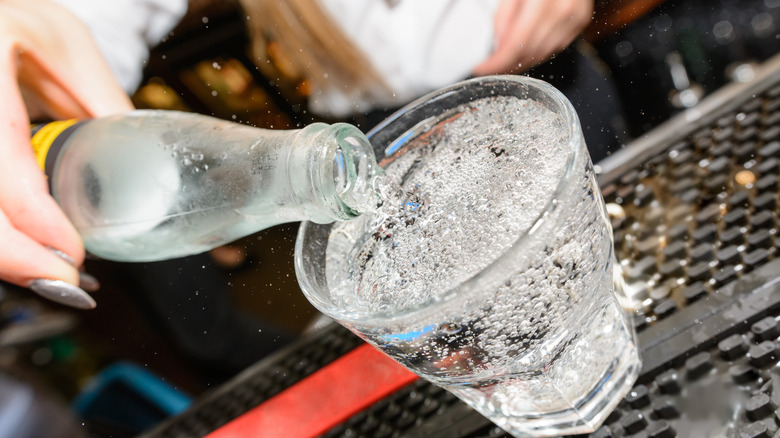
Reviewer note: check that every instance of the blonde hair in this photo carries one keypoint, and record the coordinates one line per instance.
(298, 40)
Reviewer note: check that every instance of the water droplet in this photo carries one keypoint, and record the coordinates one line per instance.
(451, 328)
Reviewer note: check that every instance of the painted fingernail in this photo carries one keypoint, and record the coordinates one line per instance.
(88, 282)
(63, 256)
(63, 293)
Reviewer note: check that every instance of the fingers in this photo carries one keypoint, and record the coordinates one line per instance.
(23, 260)
(49, 61)
(532, 31)
(40, 248)
(61, 66)
(514, 40)
(504, 17)
(26, 207)
(522, 40)
(30, 265)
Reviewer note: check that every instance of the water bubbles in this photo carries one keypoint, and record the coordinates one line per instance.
(450, 208)
(451, 328)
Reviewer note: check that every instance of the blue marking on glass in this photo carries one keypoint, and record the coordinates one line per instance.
(408, 336)
(340, 162)
(393, 148)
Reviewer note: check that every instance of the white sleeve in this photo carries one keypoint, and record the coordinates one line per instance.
(417, 46)
(124, 30)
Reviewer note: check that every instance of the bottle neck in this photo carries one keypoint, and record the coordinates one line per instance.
(342, 171)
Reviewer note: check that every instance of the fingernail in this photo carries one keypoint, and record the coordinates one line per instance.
(88, 282)
(63, 256)
(63, 293)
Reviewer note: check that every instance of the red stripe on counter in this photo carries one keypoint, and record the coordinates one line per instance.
(324, 399)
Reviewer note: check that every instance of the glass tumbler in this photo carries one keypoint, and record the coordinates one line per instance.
(520, 322)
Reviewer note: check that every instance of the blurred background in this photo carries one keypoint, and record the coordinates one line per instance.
(664, 57)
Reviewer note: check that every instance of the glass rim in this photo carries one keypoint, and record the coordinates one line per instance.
(475, 282)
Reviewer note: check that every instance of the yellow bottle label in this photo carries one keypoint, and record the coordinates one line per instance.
(43, 137)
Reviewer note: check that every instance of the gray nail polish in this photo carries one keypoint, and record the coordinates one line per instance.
(88, 282)
(63, 293)
(63, 256)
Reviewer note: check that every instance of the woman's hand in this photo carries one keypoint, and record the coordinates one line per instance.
(49, 66)
(528, 32)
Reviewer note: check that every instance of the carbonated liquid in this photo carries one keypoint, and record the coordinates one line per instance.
(153, 185)
(535, 338)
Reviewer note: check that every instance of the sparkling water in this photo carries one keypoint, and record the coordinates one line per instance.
(489, 277)
(154, 185)
(187, 189)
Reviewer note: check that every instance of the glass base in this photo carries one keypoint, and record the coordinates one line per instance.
(589, 412)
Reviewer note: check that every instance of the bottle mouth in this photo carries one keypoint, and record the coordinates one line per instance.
(355, 170)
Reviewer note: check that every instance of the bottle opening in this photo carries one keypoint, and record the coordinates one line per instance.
(340, 172)
(355, 170)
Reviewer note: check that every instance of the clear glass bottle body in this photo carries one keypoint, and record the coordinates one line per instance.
(154, 185)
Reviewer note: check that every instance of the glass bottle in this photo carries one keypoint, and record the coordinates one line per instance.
(152, 185)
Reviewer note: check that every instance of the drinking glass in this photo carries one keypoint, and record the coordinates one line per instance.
(536, 341)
